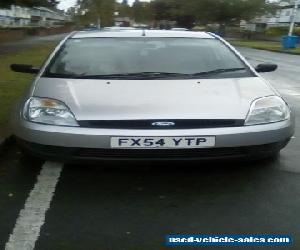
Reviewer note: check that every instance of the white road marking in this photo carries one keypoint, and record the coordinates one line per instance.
(32, 216)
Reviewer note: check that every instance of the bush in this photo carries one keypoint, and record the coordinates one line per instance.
(281, 31)
(297, 31)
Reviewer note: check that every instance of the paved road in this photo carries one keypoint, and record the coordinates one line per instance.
(133, 206)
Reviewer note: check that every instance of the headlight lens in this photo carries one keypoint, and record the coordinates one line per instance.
(268, 110)
(49, 111)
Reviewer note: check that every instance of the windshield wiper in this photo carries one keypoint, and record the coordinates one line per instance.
(61, 75)
(138, 75)
(217, 71)
(144, 75)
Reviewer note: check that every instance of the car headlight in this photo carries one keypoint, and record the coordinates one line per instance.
(268, 110)
(49, 111)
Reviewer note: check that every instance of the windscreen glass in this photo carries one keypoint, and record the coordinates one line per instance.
(186, 57)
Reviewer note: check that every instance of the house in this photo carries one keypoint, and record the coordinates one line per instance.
(41, 16)
(17, 16)
(281, 18)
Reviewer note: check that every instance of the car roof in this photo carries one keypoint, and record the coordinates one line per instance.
(143, 33)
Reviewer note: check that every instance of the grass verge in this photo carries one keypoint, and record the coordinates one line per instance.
(12, 84)
(265, 45)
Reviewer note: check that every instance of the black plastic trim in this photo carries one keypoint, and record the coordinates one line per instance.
(149, 124)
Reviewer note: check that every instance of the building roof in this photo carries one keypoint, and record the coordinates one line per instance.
(286, 3)
(49, 10)
(141, 33)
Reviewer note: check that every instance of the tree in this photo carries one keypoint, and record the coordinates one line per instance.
(222, 12)
(162, 10)
(174, 10)
(227, 11)
(185, 12)
(141, 12)
(93, 10)
(125, 2)
(29, 3)
(123, 9)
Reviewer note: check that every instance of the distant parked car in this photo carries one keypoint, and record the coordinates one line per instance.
(117, 28)
(91, 28)
(179, 29)
(150, 95)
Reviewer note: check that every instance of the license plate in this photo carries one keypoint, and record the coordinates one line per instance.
(163, 142)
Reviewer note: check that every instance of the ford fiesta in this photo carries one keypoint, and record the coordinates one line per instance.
(150, 95)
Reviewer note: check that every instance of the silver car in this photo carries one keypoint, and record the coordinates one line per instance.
(150, 95)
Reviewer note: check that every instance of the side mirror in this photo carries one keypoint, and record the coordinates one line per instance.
(266, 67)
(24, 68)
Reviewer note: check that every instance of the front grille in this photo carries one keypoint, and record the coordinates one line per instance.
(161, 153)
(148, 124)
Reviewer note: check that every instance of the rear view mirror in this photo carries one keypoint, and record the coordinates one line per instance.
(24, 68)
(266, 67)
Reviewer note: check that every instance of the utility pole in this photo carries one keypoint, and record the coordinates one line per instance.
(293, 17)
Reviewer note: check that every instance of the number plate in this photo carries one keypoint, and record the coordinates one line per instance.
(163, 142)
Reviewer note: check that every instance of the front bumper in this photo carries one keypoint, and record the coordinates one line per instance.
(92, 142)
(100, 138)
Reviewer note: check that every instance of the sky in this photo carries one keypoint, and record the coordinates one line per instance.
(65, 4)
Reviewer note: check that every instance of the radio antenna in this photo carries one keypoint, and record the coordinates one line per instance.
(144, 32)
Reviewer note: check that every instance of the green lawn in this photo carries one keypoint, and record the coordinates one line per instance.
(12, 84)
(265, 45)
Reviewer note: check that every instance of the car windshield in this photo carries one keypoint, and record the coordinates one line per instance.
(145, 58)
